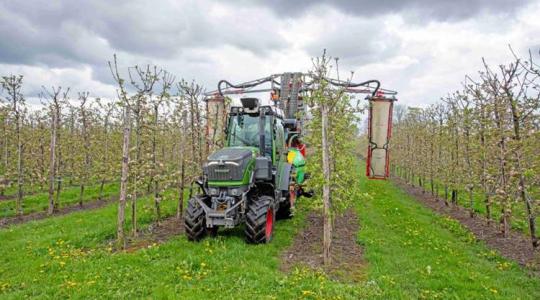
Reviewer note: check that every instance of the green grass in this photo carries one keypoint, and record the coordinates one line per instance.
(12, 189)
(413, 253)
(409, 251)
(70, 256)
(68, 196)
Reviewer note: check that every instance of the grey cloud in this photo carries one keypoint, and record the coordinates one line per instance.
(362, 42)
(420, 10)
(67, 33)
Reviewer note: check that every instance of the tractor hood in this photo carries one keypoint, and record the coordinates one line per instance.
(231, 166)
(232, 154)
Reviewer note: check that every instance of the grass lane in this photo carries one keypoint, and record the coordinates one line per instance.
(413, 253)
(68, 196)
(410, 253)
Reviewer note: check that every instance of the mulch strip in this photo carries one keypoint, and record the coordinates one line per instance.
(167, 229)
(25, 194)
(307, 251)
(12, 197)
(517, 246)
(95, 204)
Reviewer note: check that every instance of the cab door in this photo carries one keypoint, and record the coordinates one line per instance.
(279, 143)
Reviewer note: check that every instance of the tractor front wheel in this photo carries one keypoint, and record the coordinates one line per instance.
(194, 220)
(260, 220)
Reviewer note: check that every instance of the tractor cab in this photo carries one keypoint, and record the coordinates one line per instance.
(260, 127)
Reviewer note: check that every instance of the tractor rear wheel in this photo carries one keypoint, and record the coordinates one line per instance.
(194, 220)
(260, 220)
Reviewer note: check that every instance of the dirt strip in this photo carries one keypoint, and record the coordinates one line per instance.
(517, 246)
(14, 196)
(7, 197)
(306, 250)
(95, 204)
(167, 229)
(26, 194)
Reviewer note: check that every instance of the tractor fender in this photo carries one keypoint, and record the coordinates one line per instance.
(285, 177)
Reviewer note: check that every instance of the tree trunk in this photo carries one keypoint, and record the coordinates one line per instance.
(454, 196)
(522, 186)
(41, 164)
(81, 195)
(19, 178)
(487, 201)
(136, 179)
(87, 162)
(157, 196)
(180, 207)
(199, 139)
(446, 195)
(505, 222)
(471, 202)
(105, 155)
(19, 166)
(58, 189)
(157, 201)
(505, 214)
(193, 138)
(101, 186)
(327, 215)
(121, 218)
(6, 149)
(485, 188)
(181, 148)
(52, 163)
(470, 177)
(531, 217)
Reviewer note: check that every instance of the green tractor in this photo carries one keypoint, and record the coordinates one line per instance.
(261, 170)
(249, 181)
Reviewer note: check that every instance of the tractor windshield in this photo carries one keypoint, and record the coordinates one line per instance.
(244, 131)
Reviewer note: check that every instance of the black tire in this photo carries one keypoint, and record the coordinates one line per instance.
(194, 220)
(260, 220)
(284, 211)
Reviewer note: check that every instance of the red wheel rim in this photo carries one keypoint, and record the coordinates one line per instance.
(269, 223)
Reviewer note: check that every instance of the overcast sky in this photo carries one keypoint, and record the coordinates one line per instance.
(421, 48)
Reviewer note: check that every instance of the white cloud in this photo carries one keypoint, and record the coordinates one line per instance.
(79, 79)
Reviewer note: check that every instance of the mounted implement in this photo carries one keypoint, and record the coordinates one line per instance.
(261, 170)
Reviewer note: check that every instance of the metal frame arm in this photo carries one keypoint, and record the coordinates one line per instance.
(227, 88)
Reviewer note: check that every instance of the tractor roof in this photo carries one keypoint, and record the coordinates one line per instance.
(269, 110)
